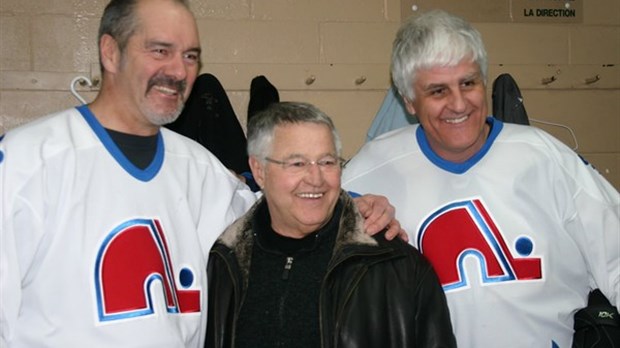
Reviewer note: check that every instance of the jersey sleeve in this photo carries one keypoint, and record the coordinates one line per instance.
(597, 217)
(593, 219)
(17, 217)
(226, 199)
(21, 223)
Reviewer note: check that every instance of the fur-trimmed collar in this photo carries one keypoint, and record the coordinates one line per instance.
(350, 231)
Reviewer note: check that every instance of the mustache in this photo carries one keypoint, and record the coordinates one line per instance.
(169, 82)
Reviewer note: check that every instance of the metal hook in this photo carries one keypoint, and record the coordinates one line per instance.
(591, 80)
(548, 80)
(310, 80)
(360, 80)
(83, 81)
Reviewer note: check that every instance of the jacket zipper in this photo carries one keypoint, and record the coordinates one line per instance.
(287, 267)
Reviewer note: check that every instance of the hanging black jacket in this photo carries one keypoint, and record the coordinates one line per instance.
(507, 101)
(376, 293)
(208, 118)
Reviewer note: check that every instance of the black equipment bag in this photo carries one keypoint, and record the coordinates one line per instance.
(598, 324)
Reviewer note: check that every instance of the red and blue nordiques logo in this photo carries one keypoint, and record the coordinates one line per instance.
(464, 229)
(131, 259)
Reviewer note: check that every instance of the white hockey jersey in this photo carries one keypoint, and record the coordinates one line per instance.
(518, 235)
(95, 252)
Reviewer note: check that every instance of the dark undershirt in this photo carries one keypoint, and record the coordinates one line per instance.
(138, 149)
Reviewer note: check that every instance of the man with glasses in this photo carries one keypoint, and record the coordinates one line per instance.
(298, 271)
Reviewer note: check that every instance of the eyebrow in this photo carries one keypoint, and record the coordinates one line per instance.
(296, 155)
(155, 43)
(433, 86)
(151, 43)
(472, 76)
(197, 50)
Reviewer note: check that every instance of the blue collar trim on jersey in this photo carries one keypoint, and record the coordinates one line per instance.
(459, 168)
(145, 174)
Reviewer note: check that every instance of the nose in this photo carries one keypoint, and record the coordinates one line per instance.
(314, 174)
(457, 101)
(176, 67)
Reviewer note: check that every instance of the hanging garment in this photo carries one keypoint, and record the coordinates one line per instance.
(208, 118)
(507, 101)
(391, 115)
(262, 93)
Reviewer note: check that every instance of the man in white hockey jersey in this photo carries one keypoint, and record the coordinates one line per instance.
(518, 228)
(107, 218)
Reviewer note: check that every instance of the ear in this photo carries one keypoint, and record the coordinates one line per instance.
(110, 53)
(258, 171)
(409, 105)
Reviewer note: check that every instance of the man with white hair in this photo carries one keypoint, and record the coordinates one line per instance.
(517, 226)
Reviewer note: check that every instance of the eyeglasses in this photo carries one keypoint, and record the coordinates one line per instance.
(298, 165)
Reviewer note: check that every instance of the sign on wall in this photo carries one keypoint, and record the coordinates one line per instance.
(502, 11)
(548, 11)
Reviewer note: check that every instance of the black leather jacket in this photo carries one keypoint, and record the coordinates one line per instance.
(376, 293)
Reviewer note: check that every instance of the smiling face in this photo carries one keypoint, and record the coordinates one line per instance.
(451, 105)
(299, 203)
(153, 76)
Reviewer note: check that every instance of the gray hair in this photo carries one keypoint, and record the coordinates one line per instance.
(435, 38)
(262, 125)
(119, 20)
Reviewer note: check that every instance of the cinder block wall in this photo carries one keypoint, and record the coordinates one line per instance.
(320, 51)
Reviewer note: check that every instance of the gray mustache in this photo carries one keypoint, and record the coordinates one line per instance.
(169, 82)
